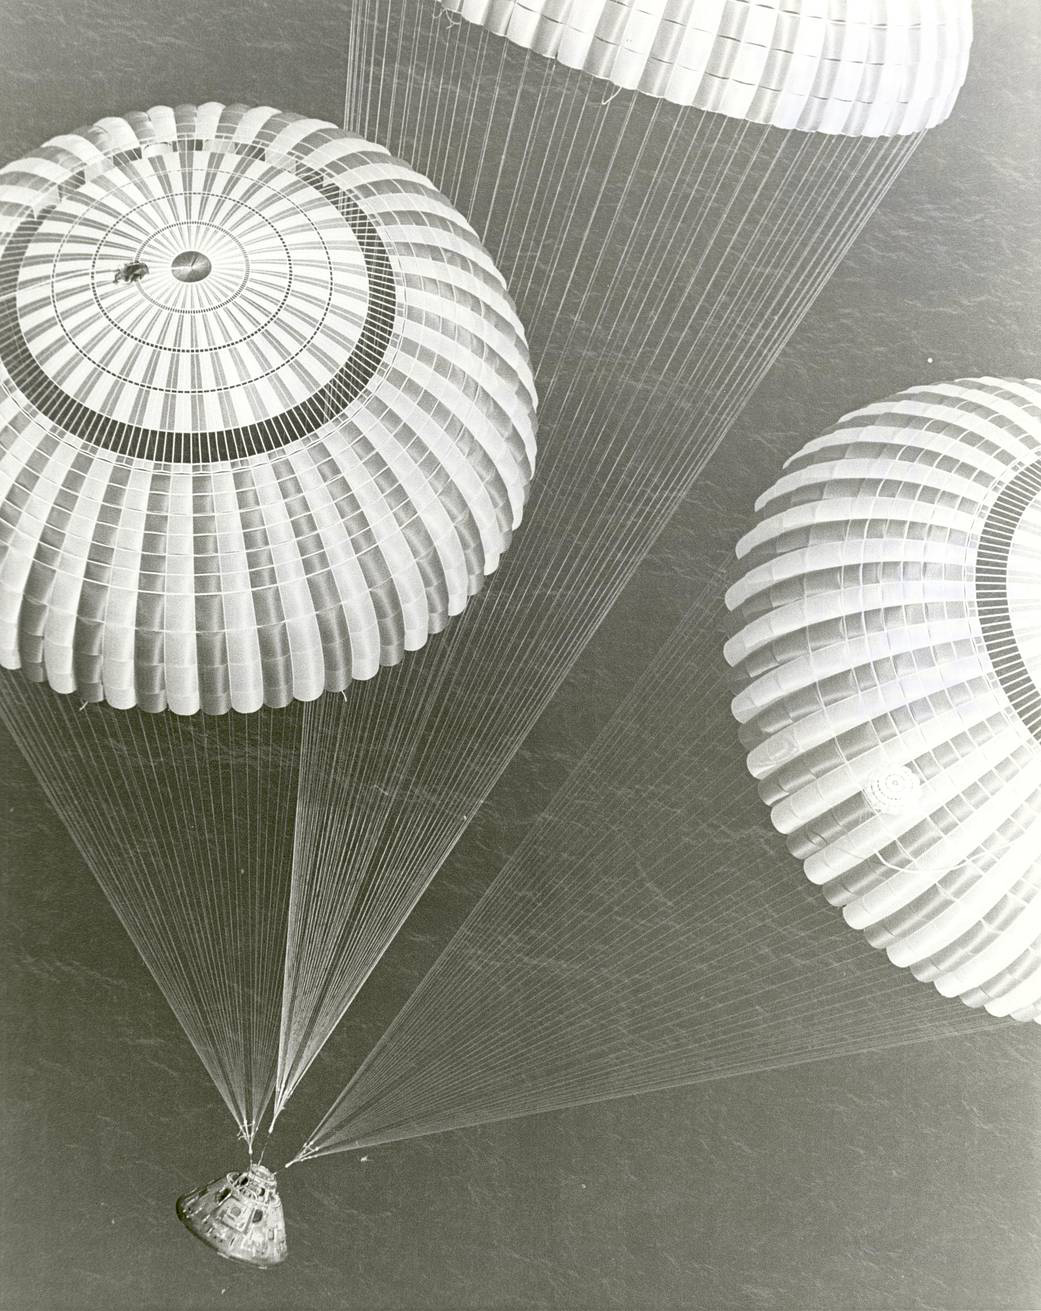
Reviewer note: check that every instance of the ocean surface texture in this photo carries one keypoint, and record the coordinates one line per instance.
(883, 1182)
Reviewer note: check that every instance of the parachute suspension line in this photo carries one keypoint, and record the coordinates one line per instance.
(185, 824)
(352, 90)
(366, 53)
(652, 420)
(356, 745)
(426, 41)
(327, 1141)
(624, 949)
(762, 307)
(364, 60)
(578, 445)
(504, 229)
(42, 744)
(648, 346)
(442, 116)
(468, 118)
(246, 886)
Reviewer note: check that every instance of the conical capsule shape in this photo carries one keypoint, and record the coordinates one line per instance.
(889, 673)
(864, 68)
(266, 411)
(239, 1215)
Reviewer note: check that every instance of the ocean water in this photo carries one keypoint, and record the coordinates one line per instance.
(887, 1181)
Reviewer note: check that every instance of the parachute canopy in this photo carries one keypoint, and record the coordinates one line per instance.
(266, 412)
(848, 67)
(890, 667)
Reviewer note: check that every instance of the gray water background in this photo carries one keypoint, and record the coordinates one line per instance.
(899, 1180)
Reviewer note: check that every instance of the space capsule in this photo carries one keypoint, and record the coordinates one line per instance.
(239, 1215)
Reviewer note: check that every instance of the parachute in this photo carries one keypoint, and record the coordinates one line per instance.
(273, 461)
(206, 505)
(889, 657)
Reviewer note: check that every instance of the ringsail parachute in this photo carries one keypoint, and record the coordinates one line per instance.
(889, 657)
(267, 422)
(661, 255)
(207, 508)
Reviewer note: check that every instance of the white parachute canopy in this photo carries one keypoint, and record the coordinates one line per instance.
(266, 422)
(850, 67)
(278, 457)
(889, 657)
